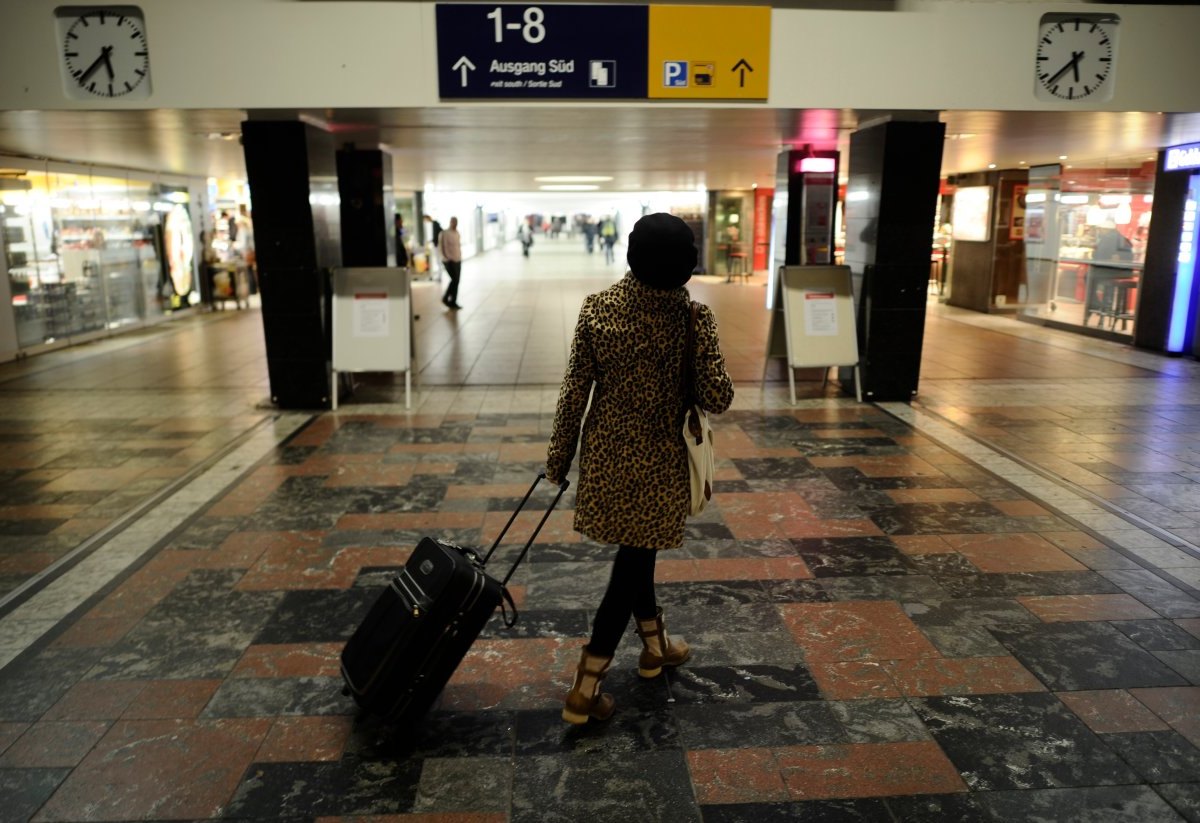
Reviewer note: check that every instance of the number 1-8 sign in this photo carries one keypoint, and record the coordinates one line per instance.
(533, 29)
(555, 51)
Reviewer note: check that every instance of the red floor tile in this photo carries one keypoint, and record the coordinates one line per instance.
(172, 699)
(292, 560)
(371, 474)
(527, 673)
(801, 527)
(933, 495)
(1112, 711)
(197, 766)
(961, 675)
(731, 568)
(403, 521)
(1179, 706)
(1020, 508)
(855, 630)
(867, 770)
(853, 681)
(736, 776)
(1078, 607)
(290, 660)
(246, 497)
(299, 739)
(497, 490)
(96, 700)
(1018, 552)
(922, 544)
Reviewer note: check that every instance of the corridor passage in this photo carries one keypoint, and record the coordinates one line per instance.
(984, 605)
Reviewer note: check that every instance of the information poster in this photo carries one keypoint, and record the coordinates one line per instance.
(372, 317)
(820, 314)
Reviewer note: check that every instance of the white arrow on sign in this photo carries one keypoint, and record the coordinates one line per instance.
(466, 66)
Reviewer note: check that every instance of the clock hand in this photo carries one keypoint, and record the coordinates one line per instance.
(1072, 64)
(90, 70)
(111, 74)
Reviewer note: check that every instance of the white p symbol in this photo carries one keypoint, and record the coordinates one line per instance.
(675, 73)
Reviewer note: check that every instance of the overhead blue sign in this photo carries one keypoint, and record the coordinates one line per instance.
(552, 51)
(1183, 157)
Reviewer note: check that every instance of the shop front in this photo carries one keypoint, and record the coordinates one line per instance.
(88, 252)
(1085, 233)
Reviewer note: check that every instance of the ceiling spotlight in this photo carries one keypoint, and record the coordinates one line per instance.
(1062, 157)
(991, 165)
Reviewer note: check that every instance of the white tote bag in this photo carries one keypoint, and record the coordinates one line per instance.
(697, 433)
(702, 461)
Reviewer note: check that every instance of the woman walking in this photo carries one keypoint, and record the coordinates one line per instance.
(634, 489)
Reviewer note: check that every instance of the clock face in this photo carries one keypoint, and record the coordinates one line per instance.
(104, 53)
(1076, 57)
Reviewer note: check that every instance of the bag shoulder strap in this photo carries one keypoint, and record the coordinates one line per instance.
(689, 356)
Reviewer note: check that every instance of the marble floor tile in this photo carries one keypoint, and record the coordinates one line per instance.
(197, 766)
(1025, 741)
(1083, 656)
(569, 788)
(1101, 804)
(875, 603)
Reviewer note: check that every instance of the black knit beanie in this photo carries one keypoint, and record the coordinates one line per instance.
(662, 251)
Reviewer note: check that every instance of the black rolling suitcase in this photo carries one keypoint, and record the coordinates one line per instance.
(415, 635)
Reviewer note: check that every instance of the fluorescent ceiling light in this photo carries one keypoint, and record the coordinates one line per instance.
(569, 188)
(573, 178)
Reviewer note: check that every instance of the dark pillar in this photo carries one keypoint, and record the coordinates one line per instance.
(291, 170)
(891, 200)
(367, 207)
(1157, 289)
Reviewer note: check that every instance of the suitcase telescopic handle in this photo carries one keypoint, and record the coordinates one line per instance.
(562, 487)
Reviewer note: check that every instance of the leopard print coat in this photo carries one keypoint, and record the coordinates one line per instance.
(628, 354)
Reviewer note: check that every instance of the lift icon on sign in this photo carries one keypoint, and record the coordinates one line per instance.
(675, 74)
(602, 74)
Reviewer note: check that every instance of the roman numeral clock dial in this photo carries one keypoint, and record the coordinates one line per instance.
(1076, 57)
(104, 52)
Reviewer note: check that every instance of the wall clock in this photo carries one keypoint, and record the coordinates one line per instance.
(103, 52)
(1076, 57)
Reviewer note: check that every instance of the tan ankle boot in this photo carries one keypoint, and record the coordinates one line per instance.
(659, 649)
(585, 700)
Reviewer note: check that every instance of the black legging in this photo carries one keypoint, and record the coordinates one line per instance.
(454, 269)
(630, 592)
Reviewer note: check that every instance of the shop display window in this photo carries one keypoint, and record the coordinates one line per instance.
(1085, 236)
(730, 241)
(83, 251)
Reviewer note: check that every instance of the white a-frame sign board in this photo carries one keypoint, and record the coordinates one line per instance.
(818, 321)
(372, 324)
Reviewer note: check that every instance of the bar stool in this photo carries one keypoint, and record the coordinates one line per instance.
(737, 265)
(1122, 287)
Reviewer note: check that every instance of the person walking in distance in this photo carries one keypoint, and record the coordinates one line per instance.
(450, 251)
(634, 485)
(401, 242)
(435, 233)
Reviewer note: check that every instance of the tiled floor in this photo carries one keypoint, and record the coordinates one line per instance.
(978, 607)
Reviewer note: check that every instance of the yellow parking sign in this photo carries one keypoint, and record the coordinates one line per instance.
(709, 52)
